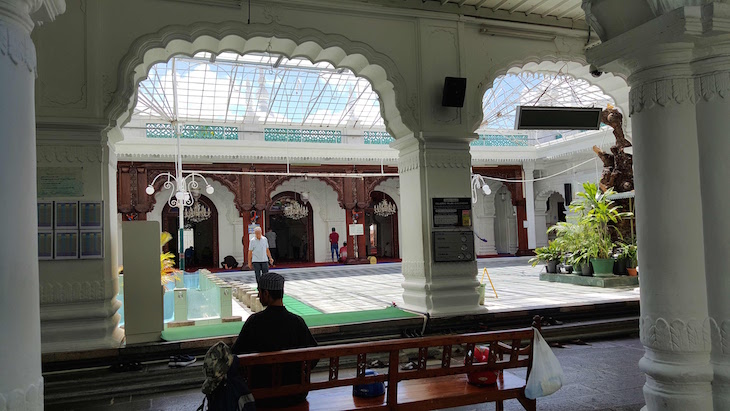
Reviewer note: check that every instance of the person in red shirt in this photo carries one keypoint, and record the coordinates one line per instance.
(343, 252)
(334, 244)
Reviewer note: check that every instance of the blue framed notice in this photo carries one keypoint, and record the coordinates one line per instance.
(91, 215)
(67, 215)
(66, 245)
(92, 244)
(45, 245)
(45, 215)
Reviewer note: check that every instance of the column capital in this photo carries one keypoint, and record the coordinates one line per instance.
(528, 167)
(29, 13)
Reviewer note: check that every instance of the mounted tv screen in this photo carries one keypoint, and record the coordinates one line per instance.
(557, 118)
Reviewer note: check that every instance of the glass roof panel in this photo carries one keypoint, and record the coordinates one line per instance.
(257, 88)
(536, 89)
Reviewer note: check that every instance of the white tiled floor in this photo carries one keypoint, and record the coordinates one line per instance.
(368, 287)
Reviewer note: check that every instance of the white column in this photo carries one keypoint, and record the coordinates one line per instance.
(541, 238)
(674, 321)
(713, 126)
(529, 167)
(433, 166)
(21, 384)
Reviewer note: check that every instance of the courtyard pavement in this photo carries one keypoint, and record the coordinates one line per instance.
(369, 287)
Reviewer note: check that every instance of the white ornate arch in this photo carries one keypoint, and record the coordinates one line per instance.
(235, 36)
(542, 197)
(577, 67)
(326, 211)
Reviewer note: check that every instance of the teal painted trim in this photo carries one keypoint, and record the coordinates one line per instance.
(377, 137)
(193, 131)
(501, 140)
(297, 135)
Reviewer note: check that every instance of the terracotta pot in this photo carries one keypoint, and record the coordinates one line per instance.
(632, 272)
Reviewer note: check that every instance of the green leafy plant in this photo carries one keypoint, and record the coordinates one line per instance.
(628, 252)
(598, 212)
(168, 272)
(545, 254)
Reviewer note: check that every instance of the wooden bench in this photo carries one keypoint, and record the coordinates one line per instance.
(427, 387)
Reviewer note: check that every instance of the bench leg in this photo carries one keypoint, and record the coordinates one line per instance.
(500, 406)
(528, 404)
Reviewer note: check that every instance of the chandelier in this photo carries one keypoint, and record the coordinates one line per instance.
(295, 210)
(385, 209)
(197, 213)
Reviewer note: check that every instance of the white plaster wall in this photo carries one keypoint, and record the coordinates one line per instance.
(230, 223)
(327, 212)
(484, 218)
(505, 227)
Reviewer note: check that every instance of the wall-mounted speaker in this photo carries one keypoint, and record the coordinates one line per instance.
(557, 118)
(454, 92)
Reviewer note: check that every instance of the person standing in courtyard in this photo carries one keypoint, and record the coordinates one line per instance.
(271, 238)
(259, 255)
(334, 244)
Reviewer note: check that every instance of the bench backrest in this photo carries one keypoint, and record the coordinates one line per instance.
(507, 350)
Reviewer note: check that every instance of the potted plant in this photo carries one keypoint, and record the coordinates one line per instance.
(598, 213)
(630, 254)
(549, 255)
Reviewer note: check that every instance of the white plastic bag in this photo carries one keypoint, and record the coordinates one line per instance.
(546, 375)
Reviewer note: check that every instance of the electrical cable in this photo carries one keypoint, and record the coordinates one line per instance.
(505, 180)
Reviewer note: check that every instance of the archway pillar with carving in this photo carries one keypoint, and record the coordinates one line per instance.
(677, 69)
(21, 384)
(433, 166)
(485, 214)
(541, 238)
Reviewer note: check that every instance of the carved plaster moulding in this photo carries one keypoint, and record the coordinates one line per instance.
(29, 398)
(448, 160)
(409, 162)
(69, 154)
(71, 292)
(17, 45)
(712, 85)
(721, 336)
(676, 335)
(661, 92)
(312, 44)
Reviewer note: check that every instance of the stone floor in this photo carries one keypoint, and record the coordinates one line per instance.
(369, 287)
(601, 375)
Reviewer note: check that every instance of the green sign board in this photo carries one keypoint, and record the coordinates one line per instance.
(60, 182)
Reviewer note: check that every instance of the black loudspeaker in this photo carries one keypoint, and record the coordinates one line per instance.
(454, 91)
(568, 193)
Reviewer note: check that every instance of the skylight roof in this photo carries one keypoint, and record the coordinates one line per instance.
(536, 89)
(257, 89)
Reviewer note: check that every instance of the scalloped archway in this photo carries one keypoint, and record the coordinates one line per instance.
(612, 85)
(238, 37)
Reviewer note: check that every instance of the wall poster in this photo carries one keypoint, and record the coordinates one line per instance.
(60, 182)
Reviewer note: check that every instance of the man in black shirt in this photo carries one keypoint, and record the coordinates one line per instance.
(274, 329)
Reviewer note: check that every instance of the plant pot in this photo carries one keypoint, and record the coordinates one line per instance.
(602, 267)
(568, 268)
(577, 268)
(552, 267)
(620, 267)
(632, 271)
(586, 270)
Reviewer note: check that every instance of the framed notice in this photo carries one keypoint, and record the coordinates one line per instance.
(60, 182)
(356, 229)
(66, 245)
(45, 215)
(45, 245)
(91, 244)
(67, 215)
(91, 215)
(452, 212)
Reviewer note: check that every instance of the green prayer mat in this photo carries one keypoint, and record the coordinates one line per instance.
(313, 320)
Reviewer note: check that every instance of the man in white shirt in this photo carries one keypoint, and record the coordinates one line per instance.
(259, 256)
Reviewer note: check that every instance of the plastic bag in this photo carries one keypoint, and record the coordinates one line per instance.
(546, 375)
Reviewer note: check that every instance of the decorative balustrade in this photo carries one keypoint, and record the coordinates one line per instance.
(192, 131)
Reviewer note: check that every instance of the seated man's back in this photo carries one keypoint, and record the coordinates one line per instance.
(274, 329)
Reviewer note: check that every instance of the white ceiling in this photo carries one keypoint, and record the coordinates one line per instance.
(558, 9)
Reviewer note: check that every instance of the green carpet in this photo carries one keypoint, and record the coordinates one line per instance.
(313, 320)
(297, 307)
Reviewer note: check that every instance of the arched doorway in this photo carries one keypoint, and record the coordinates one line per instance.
(381, 231)
(202, 236)
(294, 237)
(554, 211)
(505, 225)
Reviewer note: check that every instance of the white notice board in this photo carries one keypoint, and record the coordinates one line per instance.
(356, 229)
